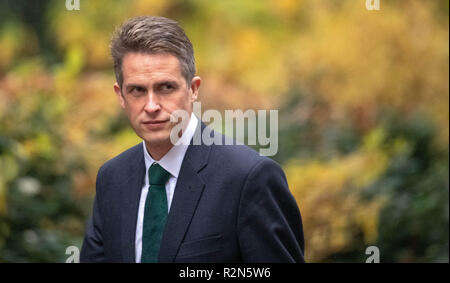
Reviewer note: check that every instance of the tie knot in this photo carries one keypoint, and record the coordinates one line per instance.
(158, 175)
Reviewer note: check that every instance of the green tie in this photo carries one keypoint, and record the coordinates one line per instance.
(155, 214)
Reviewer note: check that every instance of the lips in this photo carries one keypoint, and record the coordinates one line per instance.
(154, 124)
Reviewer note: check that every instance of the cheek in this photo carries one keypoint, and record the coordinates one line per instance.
(187, 100)
(180, 101)
(132, 113)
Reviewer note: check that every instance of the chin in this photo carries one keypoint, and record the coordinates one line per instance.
(156, 138)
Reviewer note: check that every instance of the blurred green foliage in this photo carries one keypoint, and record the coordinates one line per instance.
(362, 98)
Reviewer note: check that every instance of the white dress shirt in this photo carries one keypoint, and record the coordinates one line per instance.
(171, 162)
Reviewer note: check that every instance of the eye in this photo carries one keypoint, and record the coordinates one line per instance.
(137, 91)
(166, 88)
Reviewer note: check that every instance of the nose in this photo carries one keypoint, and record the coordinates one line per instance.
(152, 103)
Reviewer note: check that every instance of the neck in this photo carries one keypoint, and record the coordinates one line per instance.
(157, 151)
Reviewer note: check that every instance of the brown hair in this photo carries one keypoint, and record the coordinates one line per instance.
(149, 34)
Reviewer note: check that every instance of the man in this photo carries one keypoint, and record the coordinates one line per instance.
(160, 202)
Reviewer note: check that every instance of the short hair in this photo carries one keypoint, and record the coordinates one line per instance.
(152, 35)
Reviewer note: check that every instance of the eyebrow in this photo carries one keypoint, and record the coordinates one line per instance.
(169, 82)
(158, 84)
(130, 86)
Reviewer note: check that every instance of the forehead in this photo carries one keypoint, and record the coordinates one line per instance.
(138, 66)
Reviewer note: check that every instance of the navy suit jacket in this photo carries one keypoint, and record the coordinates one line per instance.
(230, 205)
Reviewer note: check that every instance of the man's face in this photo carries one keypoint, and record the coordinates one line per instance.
(152, 89)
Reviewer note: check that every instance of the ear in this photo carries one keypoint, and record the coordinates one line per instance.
(118, 92)
(195, 86)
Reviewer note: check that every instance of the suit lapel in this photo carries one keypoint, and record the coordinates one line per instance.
(130, 196)
(187, 193)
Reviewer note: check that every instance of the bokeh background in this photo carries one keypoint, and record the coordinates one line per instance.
(363, 100)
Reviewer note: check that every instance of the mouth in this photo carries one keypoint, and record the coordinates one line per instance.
(154, 124)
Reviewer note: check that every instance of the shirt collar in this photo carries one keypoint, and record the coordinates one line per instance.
(173, 159)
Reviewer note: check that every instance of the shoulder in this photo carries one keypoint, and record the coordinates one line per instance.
(241, 158)
(122, 160)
